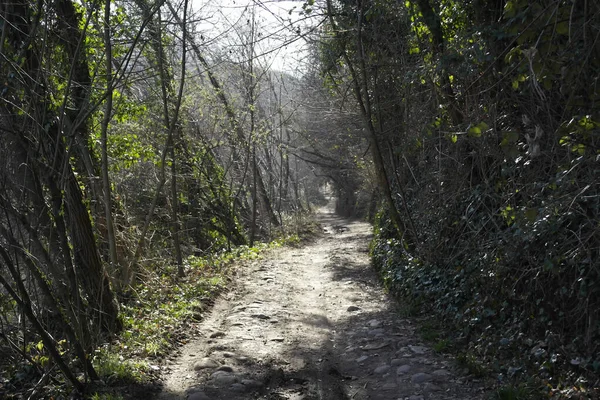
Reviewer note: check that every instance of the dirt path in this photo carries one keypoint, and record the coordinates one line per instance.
(312, 323)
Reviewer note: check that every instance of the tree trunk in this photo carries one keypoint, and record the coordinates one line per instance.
(175, 216)
(110, 228)
(87, 259)
(175, 128)
(253, 226)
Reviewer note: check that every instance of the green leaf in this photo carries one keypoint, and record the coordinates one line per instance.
(474, 131)
(44, 361)
(565, 140)
(516, 51)
(40, 346)
(509, 9)
(454, 138)
(579, 149)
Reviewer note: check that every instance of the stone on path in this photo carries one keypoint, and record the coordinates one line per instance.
(376, 346)
(376, 332)
(251, 383)
(403, 369)
(418, 349)
(440, 374)
(430, 387)
(238, 387)
(224, 378)
(375, 323)
(420, 377)
(382, 369)
(205, 363)
(198, 396)
(361, 359)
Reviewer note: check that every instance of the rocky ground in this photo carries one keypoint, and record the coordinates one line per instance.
(312, 323)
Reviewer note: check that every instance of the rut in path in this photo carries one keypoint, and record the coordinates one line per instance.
(312, 323)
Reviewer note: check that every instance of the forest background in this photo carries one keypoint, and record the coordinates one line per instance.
(141, 152)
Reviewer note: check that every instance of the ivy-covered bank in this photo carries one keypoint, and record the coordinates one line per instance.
(531, 330)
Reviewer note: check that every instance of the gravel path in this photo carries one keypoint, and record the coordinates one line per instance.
(312, 323)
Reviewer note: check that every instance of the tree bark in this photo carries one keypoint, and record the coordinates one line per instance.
(108, 215)
(174, 130)
(87, 258)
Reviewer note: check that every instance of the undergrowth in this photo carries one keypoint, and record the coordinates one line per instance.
(159, 312)
(509, 301)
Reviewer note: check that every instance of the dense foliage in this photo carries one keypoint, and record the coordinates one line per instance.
(487, 119)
